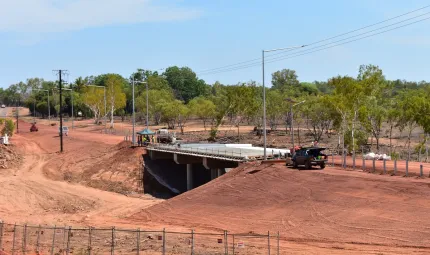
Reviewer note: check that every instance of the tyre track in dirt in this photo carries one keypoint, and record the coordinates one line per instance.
(27, 195)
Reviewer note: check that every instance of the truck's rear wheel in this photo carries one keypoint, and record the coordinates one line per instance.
(322, 165)
(295, 164)
(308, 165)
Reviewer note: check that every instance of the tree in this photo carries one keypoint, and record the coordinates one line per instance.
(93, 98)
(370, 96)
(202, 108)
(285, 80)
(342, 100)
(157, 99)
(275, 107)
(409, 113)
(185, 83)
(115, 95)
(319, 113)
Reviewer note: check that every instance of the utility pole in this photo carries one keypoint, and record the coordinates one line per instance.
(133, 82)
(17, 115)
(60, 81)
(147, 108)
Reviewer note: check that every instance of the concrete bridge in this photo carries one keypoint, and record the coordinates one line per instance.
(217, 158)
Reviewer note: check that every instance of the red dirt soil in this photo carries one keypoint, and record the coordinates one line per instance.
(315, 211)
(37, 193)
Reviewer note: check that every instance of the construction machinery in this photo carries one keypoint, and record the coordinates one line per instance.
(164, 136)
(33, 127)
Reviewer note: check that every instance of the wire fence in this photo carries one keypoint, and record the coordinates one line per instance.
(381, 166)
(29, 239)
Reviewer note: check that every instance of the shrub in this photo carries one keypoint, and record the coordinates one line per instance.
(8, 128)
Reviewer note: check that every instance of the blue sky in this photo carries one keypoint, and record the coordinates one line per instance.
(91, 37)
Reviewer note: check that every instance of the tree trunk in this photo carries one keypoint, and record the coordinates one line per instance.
(111, 117)
(427, 147)
(377, 144)
(409, 143)
(298, 132)
(391, 138)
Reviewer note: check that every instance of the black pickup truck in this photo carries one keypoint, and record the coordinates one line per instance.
(308, 157)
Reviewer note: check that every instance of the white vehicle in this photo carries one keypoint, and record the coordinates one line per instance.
(3, 106)
(65, 131)
(164, 136)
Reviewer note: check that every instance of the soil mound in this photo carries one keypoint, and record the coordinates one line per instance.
(329, 206)
(115, 168)
(9, 158)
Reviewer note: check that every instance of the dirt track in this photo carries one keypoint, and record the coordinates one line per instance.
(28, 195)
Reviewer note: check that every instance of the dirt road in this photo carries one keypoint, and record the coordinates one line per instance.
(28, 195)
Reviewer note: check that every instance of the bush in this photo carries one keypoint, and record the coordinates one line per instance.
(212, 134)
(8, 128)
(395, 155)
(360, 139)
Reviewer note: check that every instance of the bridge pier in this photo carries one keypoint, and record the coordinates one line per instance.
(189, 176)
(214, 174)
(220, 172)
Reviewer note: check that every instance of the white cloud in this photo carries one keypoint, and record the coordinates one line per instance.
(66, 15)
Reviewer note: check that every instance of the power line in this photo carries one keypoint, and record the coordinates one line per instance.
(316, 49)
(258, 60)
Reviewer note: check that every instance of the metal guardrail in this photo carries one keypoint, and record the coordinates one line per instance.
(234, 154)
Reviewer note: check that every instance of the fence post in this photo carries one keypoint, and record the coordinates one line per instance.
(69, 234)
(53, 240)
(38, 239)
(138, 241)
(332, 159)
(374, 164)
(395, 166)
(226, 242)
(407, 167)
(192, 242)
(64, 238)
(24, 240)
(268, 242)
(112, 250)
(385, 166)
(164, 241)
(233, 244)
(344, 160)
(421, 171)
(353, 161)
(278, 237)
(13, 240)
(89, 240)
(1, 235)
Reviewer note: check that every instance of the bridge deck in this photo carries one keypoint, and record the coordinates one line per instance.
(239, 153)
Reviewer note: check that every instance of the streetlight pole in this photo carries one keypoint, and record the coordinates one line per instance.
(147, 108)
(133, 138)
(264, 95)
